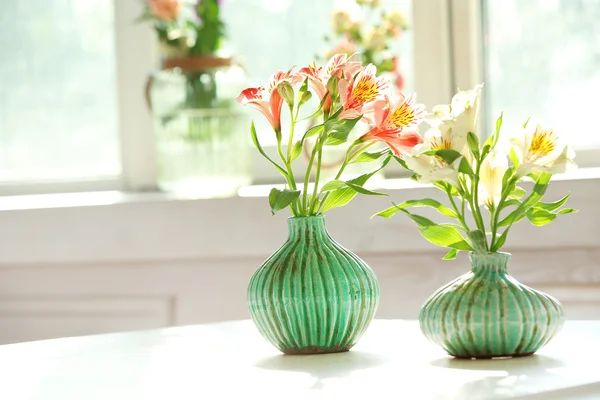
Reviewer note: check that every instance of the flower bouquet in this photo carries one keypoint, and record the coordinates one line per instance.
(485, 313)
(312, 295)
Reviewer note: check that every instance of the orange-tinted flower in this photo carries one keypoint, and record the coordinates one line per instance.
(394, 120)
(268, 101)
(359, 95)
(165, 10)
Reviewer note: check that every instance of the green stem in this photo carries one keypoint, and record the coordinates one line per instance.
(318, 175)
(475, 203)
(307, 177)
(461, 217)
(494, 224)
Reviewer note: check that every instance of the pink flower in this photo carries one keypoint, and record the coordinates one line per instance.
(268, 101)
(165, 10)
(318, 77)
(359, 95)
(394, 119)
(318, 82)
(341, 66)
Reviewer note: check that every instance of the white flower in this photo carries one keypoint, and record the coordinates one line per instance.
(434, 168)
(375, 39)
(490, 178)
(539, 149)
(459, 117)
(341, 21)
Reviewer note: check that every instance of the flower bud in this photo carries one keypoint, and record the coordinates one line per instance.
(332, 86)
(396, 19)
(286, 91)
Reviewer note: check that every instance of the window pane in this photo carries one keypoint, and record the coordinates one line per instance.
(276, 34)
(58, 112)
(543, 61)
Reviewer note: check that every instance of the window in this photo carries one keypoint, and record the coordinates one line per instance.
(58, 109)
(72, 74)
(542, 59)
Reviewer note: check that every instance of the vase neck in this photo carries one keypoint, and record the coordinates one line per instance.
(489, 262)
(301, 228)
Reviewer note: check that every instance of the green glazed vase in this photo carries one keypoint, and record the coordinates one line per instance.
(312, 295)
(487, 313)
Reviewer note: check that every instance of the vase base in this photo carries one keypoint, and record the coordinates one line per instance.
(315, 350)
(492, 356)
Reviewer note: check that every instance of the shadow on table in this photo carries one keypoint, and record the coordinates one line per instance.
(323, 366)
(510, 378)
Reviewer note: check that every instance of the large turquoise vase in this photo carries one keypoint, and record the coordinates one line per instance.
(312, 295)
(487, 313)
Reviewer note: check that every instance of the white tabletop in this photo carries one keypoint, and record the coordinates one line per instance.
(232, 361)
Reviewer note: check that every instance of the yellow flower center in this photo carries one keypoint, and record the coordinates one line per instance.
(365, 90)
(441, 144)
(543, 143)
(402, 116)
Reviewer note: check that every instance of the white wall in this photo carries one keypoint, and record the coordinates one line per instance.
(151, 262)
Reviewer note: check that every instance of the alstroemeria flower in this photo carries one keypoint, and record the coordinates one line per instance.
(432, 168)
(358, 95)
(268, 101)
(393, 119)
(165, 10)
(318, 77)
(539, 150)
(459, 117)
(490, 178)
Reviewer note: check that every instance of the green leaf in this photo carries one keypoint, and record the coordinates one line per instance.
(507, 177)
(280, 199)
(401, 162)
(497, 132)
(337, 130)
(513, 158)
(448, 155)
(553, 206)
(337, 184)
(362, 190)
(439, 207)
(343, 196)
(315, 130)
(566, 211)
(500, 242)
(538, 191)
(478, 241)
(517, 193)
(334, 185)
(539, 216)
(296, 150)
(261, 151)
(465, 168)
(473, 142)
(440, 235)
(451, 255)
(369, 157)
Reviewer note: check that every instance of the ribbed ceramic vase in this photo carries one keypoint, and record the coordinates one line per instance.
(312, 295)
(487, 313)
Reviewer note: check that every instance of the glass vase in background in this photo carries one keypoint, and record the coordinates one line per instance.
(201, 141)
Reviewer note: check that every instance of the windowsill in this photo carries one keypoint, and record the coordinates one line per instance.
(113, 228)
(106, 198)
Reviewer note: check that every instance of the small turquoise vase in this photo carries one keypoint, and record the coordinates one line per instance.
(312, 296)
(486, 313)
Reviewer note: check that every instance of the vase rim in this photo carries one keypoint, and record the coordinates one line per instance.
(490, 253)
(305, 217)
